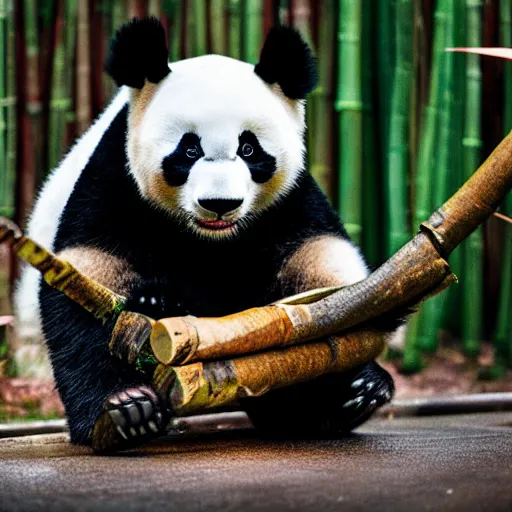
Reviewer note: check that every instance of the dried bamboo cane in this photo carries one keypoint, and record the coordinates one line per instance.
(205, 385)
(419, 268)
(103, 303)
(216, 22)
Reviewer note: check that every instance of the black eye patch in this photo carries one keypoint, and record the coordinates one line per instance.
(177, 165)
(261, 165)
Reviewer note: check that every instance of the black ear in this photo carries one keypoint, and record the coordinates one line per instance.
(287, 60)
(138, 52)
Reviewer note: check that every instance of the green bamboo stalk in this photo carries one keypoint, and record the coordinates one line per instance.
(472, 250)
(172, 9)
(9, 178)
(154, 8)
(437, 172)
(218, 27)
(234, 28)
(398, 161)
(5, 193)
(503, 333)
(252, 30)
(451, 318)
(119, 15)
(371, 191)
(197, 27)
(59, 101)
(320, 104)
(349, 104)
(385, 53)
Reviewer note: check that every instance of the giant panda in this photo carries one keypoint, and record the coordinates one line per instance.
(190, 195)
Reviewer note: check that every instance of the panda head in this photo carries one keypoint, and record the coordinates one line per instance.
(211, 140)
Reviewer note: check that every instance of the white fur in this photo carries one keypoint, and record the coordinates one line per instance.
(217, 98)
(44, 220)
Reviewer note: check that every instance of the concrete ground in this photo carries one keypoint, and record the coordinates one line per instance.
(461, 463)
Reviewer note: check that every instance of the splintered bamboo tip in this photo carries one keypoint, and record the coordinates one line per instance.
(174, 340)
(9, 231)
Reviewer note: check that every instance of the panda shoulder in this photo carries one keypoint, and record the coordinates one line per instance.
(44, 220)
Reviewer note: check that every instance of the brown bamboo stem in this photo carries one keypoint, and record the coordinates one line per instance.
(61, 275)
(418, 269)
(201, 385)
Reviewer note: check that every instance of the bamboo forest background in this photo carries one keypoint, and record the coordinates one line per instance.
(396, 125)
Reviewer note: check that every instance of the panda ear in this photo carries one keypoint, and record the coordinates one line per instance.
(287, 60)
(138, 52)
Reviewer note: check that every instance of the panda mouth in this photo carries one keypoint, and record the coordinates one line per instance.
(215, 225)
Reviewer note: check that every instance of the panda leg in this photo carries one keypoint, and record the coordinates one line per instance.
(331, 404)
(92, 384)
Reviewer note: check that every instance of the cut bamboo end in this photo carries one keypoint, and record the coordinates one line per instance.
(186, 339)
(202, 386)
(130, 336)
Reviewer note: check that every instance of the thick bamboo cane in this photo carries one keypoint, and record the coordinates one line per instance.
(419, 268)
(205, 385)
(251, 24)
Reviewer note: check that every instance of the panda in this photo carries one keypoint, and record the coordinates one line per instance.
(189, 195)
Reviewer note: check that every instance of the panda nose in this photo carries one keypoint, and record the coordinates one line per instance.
(220, 206)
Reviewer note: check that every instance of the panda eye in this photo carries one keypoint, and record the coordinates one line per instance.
(247, 150)
(192, 152)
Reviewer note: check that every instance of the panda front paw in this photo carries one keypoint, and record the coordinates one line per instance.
(368, 390)
(131, 418)
(156, 299)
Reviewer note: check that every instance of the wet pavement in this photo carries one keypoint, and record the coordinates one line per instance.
(461, 463)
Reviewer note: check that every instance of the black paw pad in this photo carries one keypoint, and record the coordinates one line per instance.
(136, 414)
(368, 391)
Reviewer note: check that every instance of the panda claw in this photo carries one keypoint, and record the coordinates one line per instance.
(152, 426)
(121, 431)
(117, 417)
(357, 383)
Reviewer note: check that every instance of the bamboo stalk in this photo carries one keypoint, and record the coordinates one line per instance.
(197, 28)
(83, 71)
(172, 9)
(9, 176)
(182, 339)
(503, 334)
(5, 193)
(472, 249)
(252, 25)
(103, 303)
(371, 191)
(437, 172)
(349, 104)
(398, 162)
(234, 28)
(59, 100)
(320, 103)
(385, 58)
(201, 386)
(216, 23)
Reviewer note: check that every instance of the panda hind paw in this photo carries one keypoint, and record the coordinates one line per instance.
(135, 416)
(368, 390)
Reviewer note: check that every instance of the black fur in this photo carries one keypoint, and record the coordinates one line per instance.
(177, 165)
(261, 164)
(183, 272)
(138, 52)
(287, 60)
